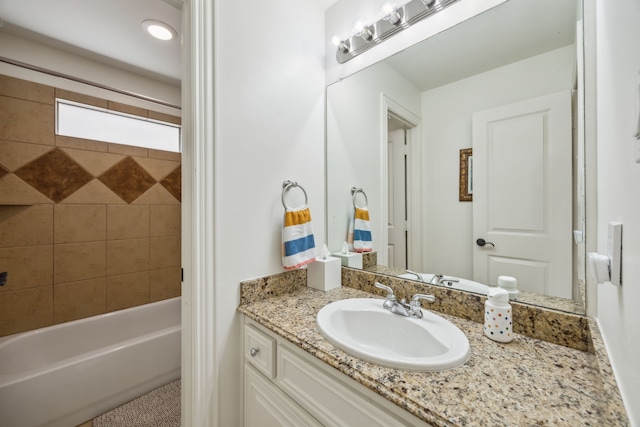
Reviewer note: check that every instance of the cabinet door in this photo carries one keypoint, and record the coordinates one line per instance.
(267, 406)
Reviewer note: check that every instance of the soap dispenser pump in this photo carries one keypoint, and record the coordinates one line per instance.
(498, 324)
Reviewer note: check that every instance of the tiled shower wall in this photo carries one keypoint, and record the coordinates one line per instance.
(86, 227)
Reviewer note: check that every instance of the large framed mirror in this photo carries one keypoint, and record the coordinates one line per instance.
(508, 84)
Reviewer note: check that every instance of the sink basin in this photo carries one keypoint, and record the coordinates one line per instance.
(362, 328)
(461, 284)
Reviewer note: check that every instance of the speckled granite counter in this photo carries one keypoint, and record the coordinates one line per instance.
(528, 382)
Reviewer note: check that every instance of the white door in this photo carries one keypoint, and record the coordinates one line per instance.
(522, 194)
(397, 243)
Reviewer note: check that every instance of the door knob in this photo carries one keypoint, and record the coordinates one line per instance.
(254, 351)
(482, 242)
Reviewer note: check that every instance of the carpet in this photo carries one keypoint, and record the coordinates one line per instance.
(158, 408)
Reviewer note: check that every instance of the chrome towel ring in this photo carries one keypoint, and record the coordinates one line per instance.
(354, 194)
(288, 185)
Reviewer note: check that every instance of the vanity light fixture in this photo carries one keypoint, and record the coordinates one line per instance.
(159, 29)
(393, 21)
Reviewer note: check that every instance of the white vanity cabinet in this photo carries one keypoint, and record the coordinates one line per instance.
(286, 386)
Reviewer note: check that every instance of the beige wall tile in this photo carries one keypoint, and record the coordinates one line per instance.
(164, 283)
(156, 195)
(127, 290)
(128, 109)
(25, 310)
(14, 154)
(127, 221)
(80, 223)
(79, 261)
(28, 267)
(164, 252)
(95, 192)
(84, 99)
(165, 155)
(81, 144)
(94, 162)
(26, 225)
(128, 150)
(165, 117)
(158, 169)
(24, 89)
(127, 256)
(14, 191)
(26, 121)
(77, 300)
(165, 220)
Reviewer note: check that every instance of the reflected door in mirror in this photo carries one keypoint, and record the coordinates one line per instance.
(523, 194)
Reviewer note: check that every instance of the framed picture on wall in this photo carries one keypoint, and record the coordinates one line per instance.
(466, 175)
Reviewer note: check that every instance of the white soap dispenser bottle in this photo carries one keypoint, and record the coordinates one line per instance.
(497, 316)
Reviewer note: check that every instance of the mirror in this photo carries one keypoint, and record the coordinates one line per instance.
(444, 95)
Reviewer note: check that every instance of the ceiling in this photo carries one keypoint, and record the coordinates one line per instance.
(108, 31)
(510, 32)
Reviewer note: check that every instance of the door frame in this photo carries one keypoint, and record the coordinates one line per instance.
(414, 180)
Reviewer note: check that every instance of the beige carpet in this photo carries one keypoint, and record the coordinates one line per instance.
(158, 408)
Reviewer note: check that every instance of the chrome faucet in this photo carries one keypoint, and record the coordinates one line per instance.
(437, 279)
(412, 309)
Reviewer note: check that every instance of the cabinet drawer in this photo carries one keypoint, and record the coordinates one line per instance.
(260, 350)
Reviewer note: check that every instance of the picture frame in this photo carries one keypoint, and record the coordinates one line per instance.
(466, 175)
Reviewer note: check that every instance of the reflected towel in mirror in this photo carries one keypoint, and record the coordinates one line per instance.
(359, 236)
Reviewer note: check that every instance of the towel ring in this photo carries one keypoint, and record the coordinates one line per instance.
(286, 186)
(354, 193)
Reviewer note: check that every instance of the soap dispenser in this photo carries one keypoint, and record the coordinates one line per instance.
(497, 316)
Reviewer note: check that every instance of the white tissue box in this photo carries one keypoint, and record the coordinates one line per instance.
(324, 274)
(352, 259)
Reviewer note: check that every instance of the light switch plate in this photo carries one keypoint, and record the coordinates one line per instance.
(636, 150)
(614, 252)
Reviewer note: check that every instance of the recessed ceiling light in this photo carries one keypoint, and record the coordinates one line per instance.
(159, 29)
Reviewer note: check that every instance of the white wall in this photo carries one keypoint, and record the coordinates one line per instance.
(269, 128)
(355, 151)
(447, 114)
(618, 64)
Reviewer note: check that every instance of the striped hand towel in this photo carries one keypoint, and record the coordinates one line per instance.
(298, 243)
(359, 237)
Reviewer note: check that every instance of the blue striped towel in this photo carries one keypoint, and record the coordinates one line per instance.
(298, 243)
(359, 237)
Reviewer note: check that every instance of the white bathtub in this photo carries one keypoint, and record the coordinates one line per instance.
(66, 374)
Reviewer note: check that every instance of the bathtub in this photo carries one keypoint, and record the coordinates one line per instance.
(69, 373)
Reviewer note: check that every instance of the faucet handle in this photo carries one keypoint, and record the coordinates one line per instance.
(391, 298)
(415, 301)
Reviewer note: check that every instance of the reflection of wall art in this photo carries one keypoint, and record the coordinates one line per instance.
(466, 175)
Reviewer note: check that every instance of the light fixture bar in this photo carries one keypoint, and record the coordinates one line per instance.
(399, 19)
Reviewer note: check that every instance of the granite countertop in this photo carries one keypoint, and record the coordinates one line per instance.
(528, 382)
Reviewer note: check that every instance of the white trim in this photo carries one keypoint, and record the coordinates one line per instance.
(199, 358)
(414, 182)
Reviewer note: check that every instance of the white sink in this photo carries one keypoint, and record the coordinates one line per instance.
(461, 284)
(362, 328)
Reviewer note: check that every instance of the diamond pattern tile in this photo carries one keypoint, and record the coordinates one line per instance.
(55, 175)
(173, 183)
(3, 171)
(127, 179)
